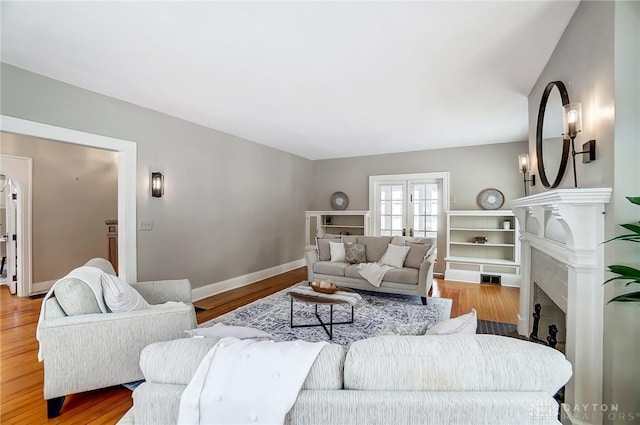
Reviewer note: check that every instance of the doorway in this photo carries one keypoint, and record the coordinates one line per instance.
(127, 182)
(9, 195)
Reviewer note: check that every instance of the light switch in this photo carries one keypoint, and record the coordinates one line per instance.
(145, 225)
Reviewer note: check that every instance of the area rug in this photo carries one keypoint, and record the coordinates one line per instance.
(376, 314)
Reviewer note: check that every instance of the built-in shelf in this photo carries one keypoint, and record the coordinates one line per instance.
(319, 223)
(497, 259)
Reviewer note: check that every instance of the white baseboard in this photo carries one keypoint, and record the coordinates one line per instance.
(41, 287)
(247, 279)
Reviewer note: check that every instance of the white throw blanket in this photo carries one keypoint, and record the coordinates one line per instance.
(351, 298)
(373, 272)
(247, 381)
(91, 276)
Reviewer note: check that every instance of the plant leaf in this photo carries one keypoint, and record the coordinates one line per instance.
(630, 237)
(632, 227)
(634, 199)
(625, 270)
(632, 297)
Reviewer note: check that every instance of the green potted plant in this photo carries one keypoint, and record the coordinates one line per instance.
(627, 272)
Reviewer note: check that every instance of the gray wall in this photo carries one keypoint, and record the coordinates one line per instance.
(471, 169)
(75, 189)
(231, 206)
(598, 59)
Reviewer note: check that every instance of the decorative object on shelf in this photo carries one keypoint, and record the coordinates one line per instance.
(324, 286)
(552, 133)
(326, 220)
(491, 199)
(525, 167)
(480, 239)
(572, 125)
(339, 201)
(506, 225)
(157, 184)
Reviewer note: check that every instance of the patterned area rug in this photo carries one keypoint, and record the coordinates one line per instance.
(376, 314)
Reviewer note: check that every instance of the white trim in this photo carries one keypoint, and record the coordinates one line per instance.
(20, 170)
(247, 279)
(580, 214)
(127, 180)
(374, 181)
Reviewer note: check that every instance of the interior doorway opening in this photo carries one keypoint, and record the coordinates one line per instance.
(127, 183)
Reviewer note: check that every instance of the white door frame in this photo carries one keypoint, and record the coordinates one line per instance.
(127, 183)
(374, 181)
(18, 171)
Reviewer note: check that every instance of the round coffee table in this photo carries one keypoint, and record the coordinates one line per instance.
(316, 301)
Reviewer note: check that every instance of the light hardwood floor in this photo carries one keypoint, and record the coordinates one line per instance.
(21, 373)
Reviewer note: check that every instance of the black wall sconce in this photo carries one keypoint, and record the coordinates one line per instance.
(525, 167)
(157, 185)
(572, 125)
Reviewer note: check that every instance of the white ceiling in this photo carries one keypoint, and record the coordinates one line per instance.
(317, 79)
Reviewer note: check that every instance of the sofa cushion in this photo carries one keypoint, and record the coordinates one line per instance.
(354, 253)
(403, 275)
(322, 243)
(75, 297)
(220, 330)
(394, 256)
(464, 363)
(120, 296)
(337, 252)
(175, 362)
(416, 255)
(374, 246)
(464, 324)
(329, 267)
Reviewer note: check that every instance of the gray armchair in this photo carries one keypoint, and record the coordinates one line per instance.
(90, 351)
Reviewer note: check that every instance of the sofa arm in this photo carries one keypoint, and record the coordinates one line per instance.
(90, 351)
(425, 275)
(311, 257)
(161, 291)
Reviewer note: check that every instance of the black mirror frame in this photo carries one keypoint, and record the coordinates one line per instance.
(566, 142)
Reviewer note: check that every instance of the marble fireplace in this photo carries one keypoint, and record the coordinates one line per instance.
(562, 259)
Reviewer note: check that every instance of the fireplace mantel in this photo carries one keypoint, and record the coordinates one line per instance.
(568, 225)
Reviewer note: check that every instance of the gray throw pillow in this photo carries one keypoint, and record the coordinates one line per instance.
(416, 254)
(76, 297)
(324, 252)
(354, 253)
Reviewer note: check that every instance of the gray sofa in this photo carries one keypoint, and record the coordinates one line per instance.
(452, 379)
(407, 280)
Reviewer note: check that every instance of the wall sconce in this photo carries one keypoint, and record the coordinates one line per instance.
(157, 185)
(572, 125)
(523, 162)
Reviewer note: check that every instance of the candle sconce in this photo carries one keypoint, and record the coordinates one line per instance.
(572, 125)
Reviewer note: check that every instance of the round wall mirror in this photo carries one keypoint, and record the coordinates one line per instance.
(552, 149)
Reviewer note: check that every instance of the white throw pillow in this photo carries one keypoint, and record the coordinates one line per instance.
(220, 330)
(119, 296)
(337, 251)
(395, 256)
(465, 324)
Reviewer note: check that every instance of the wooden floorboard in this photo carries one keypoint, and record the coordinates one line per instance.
(21, 375)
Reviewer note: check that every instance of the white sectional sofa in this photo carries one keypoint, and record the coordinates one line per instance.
(414, 278)
(439, 380)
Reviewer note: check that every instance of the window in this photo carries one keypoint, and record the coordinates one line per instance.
(408, 204)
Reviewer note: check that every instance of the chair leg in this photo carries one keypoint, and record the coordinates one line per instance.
(424, 300)
(54, 405)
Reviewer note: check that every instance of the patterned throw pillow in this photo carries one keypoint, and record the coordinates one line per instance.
(354, 253)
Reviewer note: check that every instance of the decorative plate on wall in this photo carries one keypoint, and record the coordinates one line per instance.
(339, 201)
(491, 199)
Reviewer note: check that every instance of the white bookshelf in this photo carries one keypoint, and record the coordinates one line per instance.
(470, 261)
(319, 223)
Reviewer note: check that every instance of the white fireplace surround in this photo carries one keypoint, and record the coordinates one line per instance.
(569, 226)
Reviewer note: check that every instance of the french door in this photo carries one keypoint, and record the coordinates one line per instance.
(409, 205)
